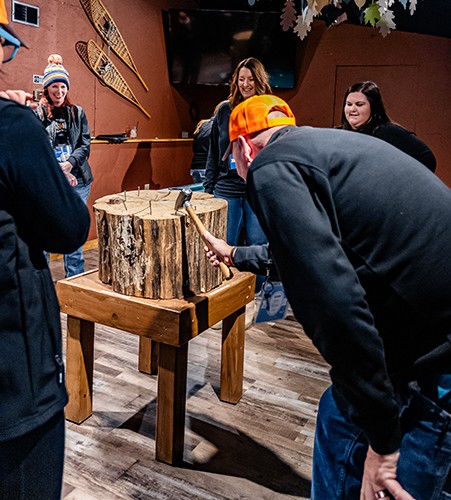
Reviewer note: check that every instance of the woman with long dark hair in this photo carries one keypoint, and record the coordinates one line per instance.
(364, 112)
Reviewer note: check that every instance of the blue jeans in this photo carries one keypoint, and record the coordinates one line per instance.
(74, 263)
(424, 466)
(243, 228)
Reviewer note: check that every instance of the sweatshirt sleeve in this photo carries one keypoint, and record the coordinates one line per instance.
(255, 259)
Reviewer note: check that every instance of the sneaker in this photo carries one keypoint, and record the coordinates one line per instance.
(251, 308)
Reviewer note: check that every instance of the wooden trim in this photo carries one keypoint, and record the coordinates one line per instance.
(89, 245)
(128, 141)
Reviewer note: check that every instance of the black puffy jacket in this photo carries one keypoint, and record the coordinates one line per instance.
(38, 211)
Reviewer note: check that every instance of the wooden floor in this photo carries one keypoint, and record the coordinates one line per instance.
(259, 449)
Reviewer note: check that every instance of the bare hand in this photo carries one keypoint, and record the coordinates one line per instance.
(20, 96)
(218, 252)
(66, 167)
(380, 474)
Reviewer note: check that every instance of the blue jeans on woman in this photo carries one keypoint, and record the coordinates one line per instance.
(424, 466)
(74, 263)
(242, 221)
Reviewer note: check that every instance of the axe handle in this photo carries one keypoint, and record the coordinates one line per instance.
(202, 230)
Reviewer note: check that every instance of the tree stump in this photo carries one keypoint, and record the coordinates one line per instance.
(147, 249)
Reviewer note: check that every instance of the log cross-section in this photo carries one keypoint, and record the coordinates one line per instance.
(148, 249)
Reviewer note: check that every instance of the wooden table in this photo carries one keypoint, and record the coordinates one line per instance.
(166, 324)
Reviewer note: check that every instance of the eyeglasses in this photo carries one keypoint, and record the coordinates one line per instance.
(10, 45)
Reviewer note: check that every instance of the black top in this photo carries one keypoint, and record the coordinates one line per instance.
(39, 211)
(201, 144)
(360, 234)
(221, 179)
(406, 141)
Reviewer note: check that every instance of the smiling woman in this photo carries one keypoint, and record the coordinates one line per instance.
(221, 178)
(69, 134)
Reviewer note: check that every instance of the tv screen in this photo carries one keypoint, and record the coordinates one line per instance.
(205, 46)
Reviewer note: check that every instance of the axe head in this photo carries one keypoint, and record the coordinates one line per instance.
(183, 197)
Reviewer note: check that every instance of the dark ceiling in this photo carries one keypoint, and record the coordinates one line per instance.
(432, 17)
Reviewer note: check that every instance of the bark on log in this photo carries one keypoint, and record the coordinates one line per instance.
(148, 250)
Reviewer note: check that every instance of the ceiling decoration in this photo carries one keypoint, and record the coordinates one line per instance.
(298, 15)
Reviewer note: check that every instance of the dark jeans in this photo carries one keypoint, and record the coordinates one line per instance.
(31, 466)
(424, 466)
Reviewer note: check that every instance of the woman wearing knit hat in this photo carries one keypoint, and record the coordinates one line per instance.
(35, 204)
(70, 136)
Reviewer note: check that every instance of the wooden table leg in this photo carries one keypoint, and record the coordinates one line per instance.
(171, 403)
(232, 357)
(148, 356)
(79, 368)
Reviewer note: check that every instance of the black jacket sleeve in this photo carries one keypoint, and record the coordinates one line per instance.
(256, 259)
(80, 138)
(49, 213)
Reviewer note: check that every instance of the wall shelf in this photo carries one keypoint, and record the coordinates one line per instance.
(156, 139)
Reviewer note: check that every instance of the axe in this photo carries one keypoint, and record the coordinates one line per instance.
(183, 200)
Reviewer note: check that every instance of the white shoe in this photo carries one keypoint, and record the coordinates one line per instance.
(250, 313)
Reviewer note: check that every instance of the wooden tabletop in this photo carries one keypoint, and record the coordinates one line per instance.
(173, 321)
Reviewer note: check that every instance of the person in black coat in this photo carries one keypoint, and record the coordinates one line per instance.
(201, 144)
(39, 211)
(364, 112)
(359, 234)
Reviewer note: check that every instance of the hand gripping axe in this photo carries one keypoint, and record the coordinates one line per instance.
(183, 201)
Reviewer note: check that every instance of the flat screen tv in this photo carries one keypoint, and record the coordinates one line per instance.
(204, 46)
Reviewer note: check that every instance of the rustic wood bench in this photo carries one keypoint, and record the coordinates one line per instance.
(166, 324)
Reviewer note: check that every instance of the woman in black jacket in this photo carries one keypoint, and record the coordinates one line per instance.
(364, 112)
(70, 137)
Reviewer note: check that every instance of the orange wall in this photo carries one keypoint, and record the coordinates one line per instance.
(414, 72)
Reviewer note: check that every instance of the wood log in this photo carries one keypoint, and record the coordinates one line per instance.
(147, 249)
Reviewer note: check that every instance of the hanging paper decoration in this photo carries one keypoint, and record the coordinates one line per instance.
(304, 22)
(377, 13)
(385, 23)
(288, 17)
(413, 6)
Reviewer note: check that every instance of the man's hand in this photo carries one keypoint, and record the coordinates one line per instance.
(20, 96)
(379, 475)
(219, 251)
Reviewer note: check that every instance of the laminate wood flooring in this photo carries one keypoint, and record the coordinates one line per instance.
(259, 449)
